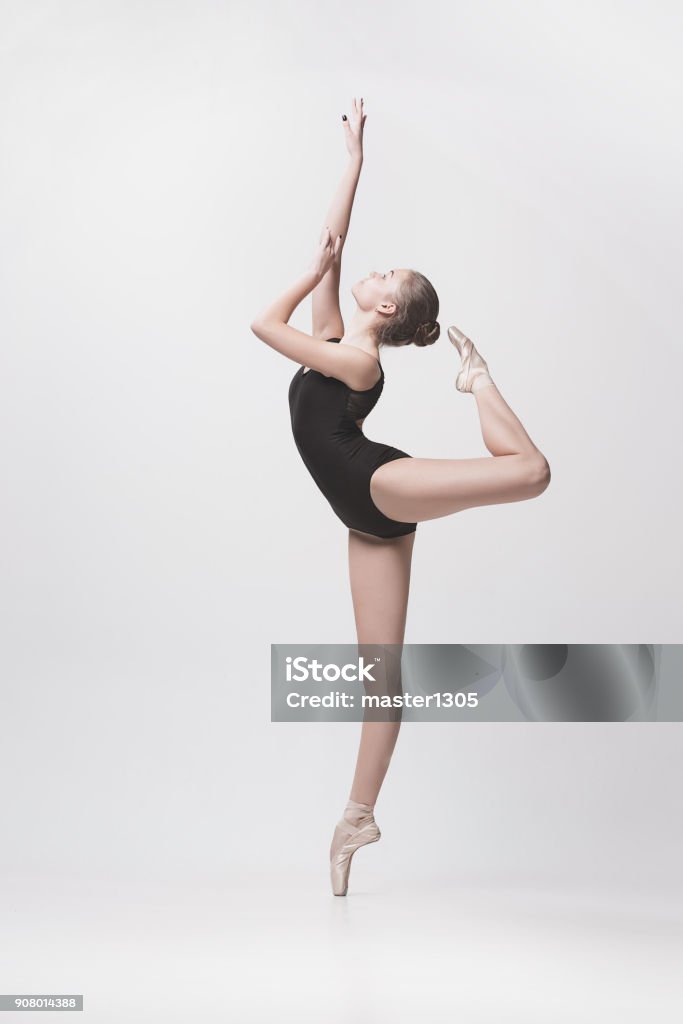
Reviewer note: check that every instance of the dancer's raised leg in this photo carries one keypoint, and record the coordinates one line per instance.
(414, 490)
(501, 430)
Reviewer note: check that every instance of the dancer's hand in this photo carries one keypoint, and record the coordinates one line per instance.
(326, 253)
(353, 127)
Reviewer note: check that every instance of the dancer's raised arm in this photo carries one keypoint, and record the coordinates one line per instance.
(327, 317)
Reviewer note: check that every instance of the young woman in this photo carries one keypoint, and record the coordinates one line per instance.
(380, 492)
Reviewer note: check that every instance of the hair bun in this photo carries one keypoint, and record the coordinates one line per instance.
(427, 333)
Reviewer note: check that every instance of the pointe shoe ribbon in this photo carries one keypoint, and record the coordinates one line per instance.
(473, 365)
(346, 840)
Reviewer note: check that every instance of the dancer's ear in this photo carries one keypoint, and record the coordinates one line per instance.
(387, 308)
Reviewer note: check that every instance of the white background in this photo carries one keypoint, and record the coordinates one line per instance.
(165, 172)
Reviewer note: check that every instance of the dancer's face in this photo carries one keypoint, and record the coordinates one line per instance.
(378, 290)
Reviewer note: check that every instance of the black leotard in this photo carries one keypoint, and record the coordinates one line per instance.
(338, 455)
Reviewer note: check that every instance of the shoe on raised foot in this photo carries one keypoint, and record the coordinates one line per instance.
(349, 837)
(473, 366)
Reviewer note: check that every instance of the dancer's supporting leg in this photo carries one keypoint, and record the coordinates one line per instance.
(380, 579)
(379, 572)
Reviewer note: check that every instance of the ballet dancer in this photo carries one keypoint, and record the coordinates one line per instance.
(378, 491)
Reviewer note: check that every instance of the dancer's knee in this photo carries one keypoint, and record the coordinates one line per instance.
(539, 474)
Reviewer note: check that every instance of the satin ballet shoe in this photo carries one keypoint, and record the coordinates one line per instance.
(349, 837)
(473, 366)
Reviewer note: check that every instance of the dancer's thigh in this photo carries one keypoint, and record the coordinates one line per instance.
(379, 572)
(414, 490)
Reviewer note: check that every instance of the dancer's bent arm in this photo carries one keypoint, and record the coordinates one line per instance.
(345, 362)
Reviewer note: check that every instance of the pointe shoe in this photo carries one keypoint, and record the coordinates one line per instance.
(348, 838)
(473, 365)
